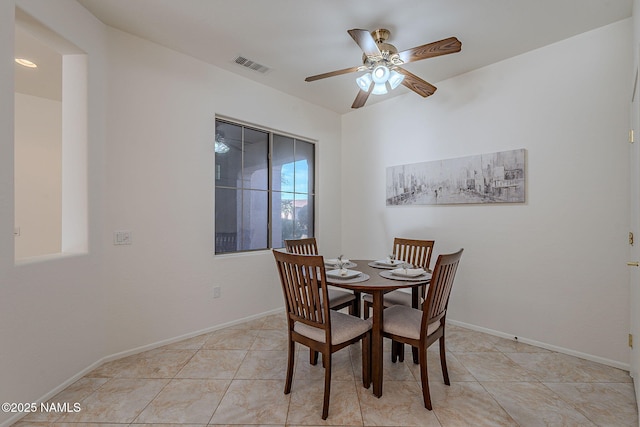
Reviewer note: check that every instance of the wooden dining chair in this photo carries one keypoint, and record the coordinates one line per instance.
(421, 328)
(315, 325)
(338, 299)
(417, 253)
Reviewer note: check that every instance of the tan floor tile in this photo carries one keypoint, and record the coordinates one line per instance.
(270, 339)
(606, 404)
(58, 424)
(158, 363)
(466, 404)
(493, 366)
(554, 367)
(253, 402)
(238, 375)
(307, 399)
(250, 324)
(276, 321)
(164, 425)
(120, 400)
(532, 404)
(263, 365)
(457, 372)
(399, 371)
(230, 339)
(194, 343)
(341, 367)
(400, 405)
(73, 394)
(185, 401)
(512, 346)
(251, 425)
(466, 340)
(213, 364)
(32, 424)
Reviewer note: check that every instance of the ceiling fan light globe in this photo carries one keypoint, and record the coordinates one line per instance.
(221, 147)
(379, 89)
(380, 74)
(364, 82)
(395, 79)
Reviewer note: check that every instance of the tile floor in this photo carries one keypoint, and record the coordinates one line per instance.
(235, 376)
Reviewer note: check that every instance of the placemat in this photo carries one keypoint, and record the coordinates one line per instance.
(361, 278)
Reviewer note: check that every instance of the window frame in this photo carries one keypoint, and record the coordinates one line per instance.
(311, 194)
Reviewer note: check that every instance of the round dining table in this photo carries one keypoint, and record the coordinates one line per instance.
(372, 282)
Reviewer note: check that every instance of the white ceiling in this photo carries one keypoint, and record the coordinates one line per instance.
(300, 38)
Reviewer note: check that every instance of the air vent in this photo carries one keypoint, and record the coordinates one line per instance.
(247, 63)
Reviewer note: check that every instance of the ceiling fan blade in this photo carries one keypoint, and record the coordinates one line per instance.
(361, 97)
(416, 84)
(331, 74)
(441, 47)
(365, 40)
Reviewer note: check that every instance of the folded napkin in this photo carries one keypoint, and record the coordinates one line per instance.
(408, 272)
(334, 261)
(389, 263)
(343, 273)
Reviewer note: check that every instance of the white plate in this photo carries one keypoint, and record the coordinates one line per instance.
(348, 274)
(408, 272)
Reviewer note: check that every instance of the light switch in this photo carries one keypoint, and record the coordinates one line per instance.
(122, 237)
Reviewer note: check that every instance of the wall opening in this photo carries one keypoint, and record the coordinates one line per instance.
(50, 141)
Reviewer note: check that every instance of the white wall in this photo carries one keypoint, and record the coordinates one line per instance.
(52, 315)
(150, 168)
(551, 270)
(160, 186)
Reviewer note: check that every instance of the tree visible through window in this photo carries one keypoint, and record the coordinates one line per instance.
(264, 188)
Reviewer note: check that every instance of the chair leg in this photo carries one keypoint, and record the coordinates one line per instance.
(397, 351)
(366, 360)
(365, 308)
(313, 357)
(326, 358)
(443, 361)
(424, 377)
(291, 357)
(414, 351)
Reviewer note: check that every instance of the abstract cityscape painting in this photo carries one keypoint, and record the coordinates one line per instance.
(485, 178)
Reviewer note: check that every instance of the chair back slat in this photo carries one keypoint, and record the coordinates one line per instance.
(437, 300)
(307, 246)
(304, 287)
(412, 251)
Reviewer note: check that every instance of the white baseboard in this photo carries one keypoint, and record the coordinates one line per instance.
(602, 360)
(131, 352)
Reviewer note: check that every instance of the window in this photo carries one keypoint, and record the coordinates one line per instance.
(264, 188)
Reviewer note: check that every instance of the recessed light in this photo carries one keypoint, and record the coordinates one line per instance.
(26, 63)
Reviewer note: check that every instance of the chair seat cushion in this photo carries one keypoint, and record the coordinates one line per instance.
(405, 322)
(393, 298)
(338, 297)
(343, 328)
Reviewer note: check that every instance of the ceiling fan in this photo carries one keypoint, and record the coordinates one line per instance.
(382, 62)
